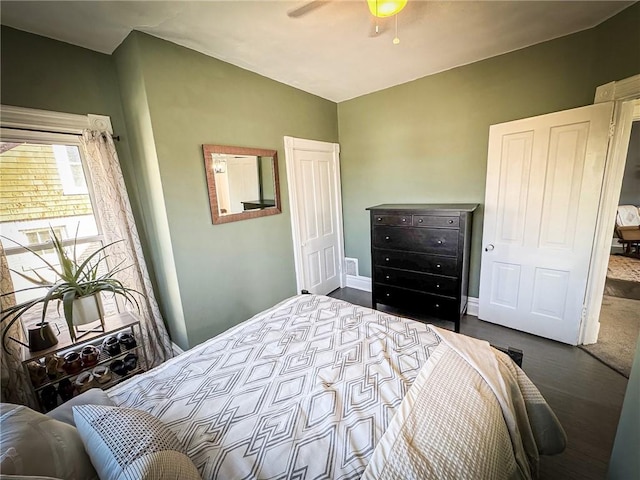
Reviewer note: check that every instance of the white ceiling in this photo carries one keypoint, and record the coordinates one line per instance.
(329, 51)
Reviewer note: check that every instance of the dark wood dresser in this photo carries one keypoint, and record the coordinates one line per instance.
(420, 258)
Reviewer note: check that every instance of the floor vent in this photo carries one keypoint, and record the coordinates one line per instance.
(351, 266)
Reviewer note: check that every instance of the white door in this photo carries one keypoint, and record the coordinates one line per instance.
(313, 175)
(244, 185)
(544, 177)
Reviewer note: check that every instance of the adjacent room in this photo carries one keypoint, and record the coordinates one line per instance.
(320, 239)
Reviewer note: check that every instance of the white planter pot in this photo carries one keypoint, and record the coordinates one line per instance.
(88, 309)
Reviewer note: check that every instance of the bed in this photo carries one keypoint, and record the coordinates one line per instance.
(314, 387)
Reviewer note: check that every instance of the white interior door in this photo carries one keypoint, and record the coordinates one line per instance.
(244, 185)
(316, 213)
(544, 177)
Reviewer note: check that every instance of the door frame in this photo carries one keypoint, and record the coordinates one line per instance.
(290, 145)
(626, 95)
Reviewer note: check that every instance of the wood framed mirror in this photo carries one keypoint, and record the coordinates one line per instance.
(242, 182)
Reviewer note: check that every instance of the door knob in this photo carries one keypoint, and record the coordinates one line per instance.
(488, 248)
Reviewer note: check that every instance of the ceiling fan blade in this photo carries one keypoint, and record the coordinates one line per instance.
(306, 8)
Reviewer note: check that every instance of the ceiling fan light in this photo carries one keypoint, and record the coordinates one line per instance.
(385, 8)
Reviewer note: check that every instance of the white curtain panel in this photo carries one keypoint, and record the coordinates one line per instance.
(15, 388)
(117, 222)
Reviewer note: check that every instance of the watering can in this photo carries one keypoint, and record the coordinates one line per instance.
(40, 336)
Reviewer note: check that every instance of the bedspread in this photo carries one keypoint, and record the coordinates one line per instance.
(316, 387)
(305, 389)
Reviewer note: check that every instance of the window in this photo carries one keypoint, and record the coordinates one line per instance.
(41, 235)
(44, 187)
(70, 169)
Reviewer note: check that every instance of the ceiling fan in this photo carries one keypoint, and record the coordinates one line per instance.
(380, 10)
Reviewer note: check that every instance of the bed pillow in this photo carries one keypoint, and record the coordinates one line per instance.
(32, 444)
(125, 443)
(93, 396)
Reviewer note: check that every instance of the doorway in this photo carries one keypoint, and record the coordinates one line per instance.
(620, 312)
(315, 198)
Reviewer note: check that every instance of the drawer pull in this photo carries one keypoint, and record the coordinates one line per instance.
(379, 219)
(387, 277)
(421, 220)
(388, 295)
(450, 222)
(438, 265)
(387, 238)
(437, 305)
(404, 219)
(437, 285)
(387, 259)
(439, 242)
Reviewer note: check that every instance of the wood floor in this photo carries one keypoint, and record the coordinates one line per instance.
(585, 394)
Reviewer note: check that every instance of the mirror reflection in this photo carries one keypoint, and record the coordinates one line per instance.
(243, 182)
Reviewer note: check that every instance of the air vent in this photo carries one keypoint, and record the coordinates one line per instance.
(351, 266)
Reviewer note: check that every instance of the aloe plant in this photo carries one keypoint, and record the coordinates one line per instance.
(74, 279)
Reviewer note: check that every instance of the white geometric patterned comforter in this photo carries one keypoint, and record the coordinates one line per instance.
(303, 390)
(308, 389)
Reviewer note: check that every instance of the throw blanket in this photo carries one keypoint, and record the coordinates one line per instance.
(453, 399)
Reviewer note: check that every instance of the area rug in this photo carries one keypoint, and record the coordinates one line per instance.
(619, 330)
(622, 267)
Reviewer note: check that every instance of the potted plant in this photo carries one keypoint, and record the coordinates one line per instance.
(76, 281)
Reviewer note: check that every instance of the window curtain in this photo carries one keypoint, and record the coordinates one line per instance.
(113, 211)
(15, 388)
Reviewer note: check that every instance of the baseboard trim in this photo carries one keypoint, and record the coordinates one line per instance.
(472, 306)
(176, 349)
(359, 283)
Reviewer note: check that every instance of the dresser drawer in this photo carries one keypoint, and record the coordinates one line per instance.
(441, 307)
(417, 281)
(438, 240)
(416, 261)
(435, 221)
(398, 220)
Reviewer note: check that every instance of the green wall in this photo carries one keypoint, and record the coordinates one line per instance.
(426, 141)
(225, 273)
